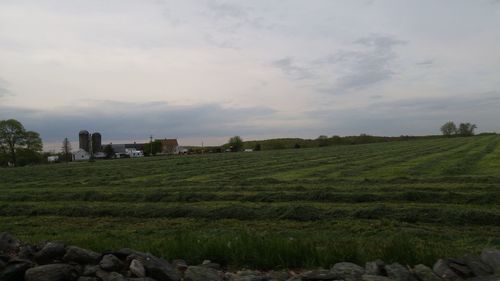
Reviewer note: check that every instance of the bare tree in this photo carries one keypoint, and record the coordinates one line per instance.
(66, 149)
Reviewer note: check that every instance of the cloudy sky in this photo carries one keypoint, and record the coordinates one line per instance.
(203, 70)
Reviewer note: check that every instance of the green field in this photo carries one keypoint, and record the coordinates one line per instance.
(406, 201)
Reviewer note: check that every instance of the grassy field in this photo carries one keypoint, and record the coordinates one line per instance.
(407, 201)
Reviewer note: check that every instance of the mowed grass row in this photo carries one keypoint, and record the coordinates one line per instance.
(409, 201)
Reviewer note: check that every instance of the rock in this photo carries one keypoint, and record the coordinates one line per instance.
(2, 265)
(101, 274)
(14, 270)
(110, 263)
(398, 272)
(248, 273)
(90, 270)
(9, 244)
(424, 273)
(137, 268)
(251, 278)
(485, 278)
(278, 275)
(181, 265)
(114, 276)
(26, 252)
(51, 272)
(211, 265)
(442, 270)
(368, 277)
(85, 278)
(320, 275)
(81, 256)
(156, 268)
(491, 257)
(141, 279)
(460, 268)
(201, 273)
(51, 252)
(477, 266)
(375, 268)
(349, 271)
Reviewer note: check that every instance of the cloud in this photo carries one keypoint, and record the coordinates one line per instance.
(362, 68)
(290, 67)
(119, 120)
(425, 63)
(4, 90)
(346, 71)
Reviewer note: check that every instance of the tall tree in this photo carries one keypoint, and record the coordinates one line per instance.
(12, 136)
(33, 141)
(448, 129)
(66, 149)
(109, 151)
(236, 143)
(466, 129)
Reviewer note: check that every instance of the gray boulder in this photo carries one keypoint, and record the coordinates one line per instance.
(486, 278)
(14, 270)
(111, 263)
(375, 267)
(90, 270)
(460, 268)
(320, 275)
(368, 277)
(81, 256)
(348, 271)
(491, 257)
(477, 266)
(51, 272)
(114, 276)
(278, 275)
(442, 270)
(141, 279)
(86, 278)
(156, 268)
(137, 268)
(398, 272)
(251, 278)
(200, 273)
(424, 273)
(181, 265)
(50, 252)
(8, 244)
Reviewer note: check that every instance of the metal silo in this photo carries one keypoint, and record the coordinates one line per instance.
(96, 142)
(84, 138)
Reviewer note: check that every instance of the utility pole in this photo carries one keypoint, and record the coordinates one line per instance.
(151, 145)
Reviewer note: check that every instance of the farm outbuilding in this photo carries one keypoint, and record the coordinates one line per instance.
(81, 155)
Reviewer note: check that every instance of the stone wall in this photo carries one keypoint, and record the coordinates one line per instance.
(55, 261)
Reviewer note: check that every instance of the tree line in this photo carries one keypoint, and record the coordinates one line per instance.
(19, 147)
(463, 129)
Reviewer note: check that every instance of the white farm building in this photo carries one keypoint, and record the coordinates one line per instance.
(81, 155)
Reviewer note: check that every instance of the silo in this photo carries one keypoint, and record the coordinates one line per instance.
(96, 142)
(84, 140)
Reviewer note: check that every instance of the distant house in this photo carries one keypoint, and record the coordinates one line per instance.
(122, 148)
(134, 153)
(53, 159)
(81, 155)
(169, 146)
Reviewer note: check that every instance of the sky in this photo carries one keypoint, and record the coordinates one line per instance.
(205, 70)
